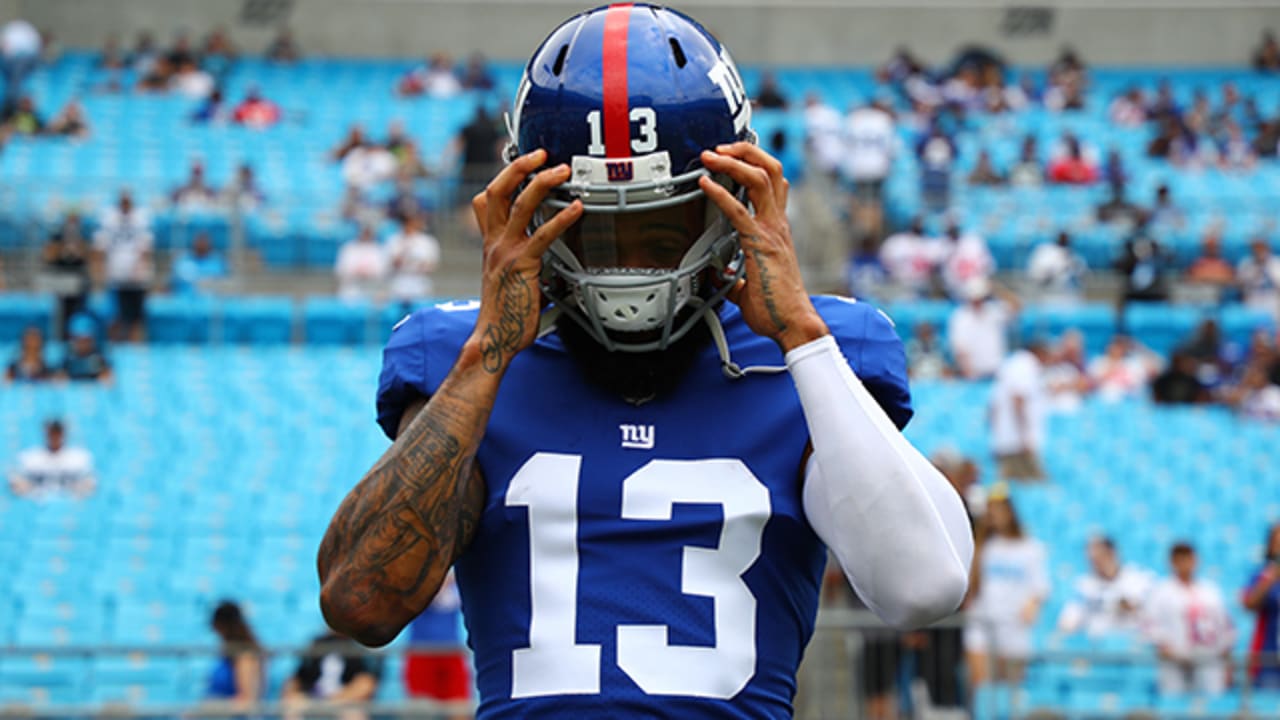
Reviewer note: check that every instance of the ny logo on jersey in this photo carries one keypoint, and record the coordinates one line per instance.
(637, 437)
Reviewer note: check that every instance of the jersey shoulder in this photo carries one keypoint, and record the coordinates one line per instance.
(421, 350)
(870, 343)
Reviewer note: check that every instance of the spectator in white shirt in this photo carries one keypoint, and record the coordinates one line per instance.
(414, 255)
(53, 469)
(20, 47)
(1066, 378)
(362, 267)
(967, 260)
(1187, 620)
(195, 193)
(870, 144)
(1124, 371)
(124, 243)
(1010, 584)
(976, 330)
(434, 78)
(910, 258)
(1058, 271)
(1259, 276)
(1019, 407)
(824, 135)
(367, 165)
(1108, 600)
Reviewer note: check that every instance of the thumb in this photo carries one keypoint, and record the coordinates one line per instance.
(735, 293)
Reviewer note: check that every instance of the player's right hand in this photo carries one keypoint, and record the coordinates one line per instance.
(510, 297)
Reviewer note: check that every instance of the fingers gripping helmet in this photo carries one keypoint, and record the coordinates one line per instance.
(628, 96)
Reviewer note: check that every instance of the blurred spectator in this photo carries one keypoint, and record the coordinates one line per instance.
(824, 135)
(1128, 110)
(414, 255)
(22, 118)
(866, 275)
(156, 78)
(900, 66)
(1019, 407)
(1058, 271)
(1123, 371)
(333, 669)
(20, 48)
(434, 78)
(354, 140)
(1073, 168)
(984, 173)
(967, 259)
(977, 330)
(357, 208)
(195, 193)
(1267, 140)
(213, 109)
(66, 269)
(244, 193)
(397, 138)
(282, 48)
(910, 258)
(111, 57)
(144, 53)
(480, 142)
(435, 663)
(770, 95)
(409, 161)
(53, 468)
(1066, 378)
(182, 53)
(1235, 152)
(256, 111)
(476, 75)
(1262, 597)
(1256, 396)
(1178, 384)
(407, 202)
(1168, 132)
(1142, 263)
(1010, 584)
(1209, 268)
(1259, 277)
(239, 676)
(1187, 620)
(367, 165)
(1118, 209)
(1113, 170)
(1211, 358)
(193, 270)
(30, 365)
(1266, 58)
(1107, 601)
(362, 267)
(219, 52)
(937, 153)
(123, 245)
(871, 138)
(69, 123)
(84, 360)
(1165, 212)
(926, 358)
(189, 80)
(1027, 171)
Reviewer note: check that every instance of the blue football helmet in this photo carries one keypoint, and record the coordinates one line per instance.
(628, 96)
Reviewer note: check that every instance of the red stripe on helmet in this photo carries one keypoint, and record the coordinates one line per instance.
(617, 124)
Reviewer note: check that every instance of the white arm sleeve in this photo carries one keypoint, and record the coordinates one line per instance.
(896, 525)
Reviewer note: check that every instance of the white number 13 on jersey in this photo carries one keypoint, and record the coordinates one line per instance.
(554, 664)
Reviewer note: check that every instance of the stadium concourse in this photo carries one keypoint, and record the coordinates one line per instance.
(224, 443)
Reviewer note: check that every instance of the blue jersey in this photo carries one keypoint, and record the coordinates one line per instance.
(650, 561)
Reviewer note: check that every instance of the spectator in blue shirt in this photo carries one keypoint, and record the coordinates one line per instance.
(84, 359)
(1262, 597)
(194, 269)
(237, 679)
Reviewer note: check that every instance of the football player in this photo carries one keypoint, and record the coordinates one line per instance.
(636, 480)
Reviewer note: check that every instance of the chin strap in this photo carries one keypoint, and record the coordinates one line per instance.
(731, 369)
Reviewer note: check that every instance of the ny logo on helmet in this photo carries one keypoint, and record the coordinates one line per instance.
(619, 171)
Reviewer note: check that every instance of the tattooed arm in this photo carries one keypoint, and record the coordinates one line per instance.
(393, 539)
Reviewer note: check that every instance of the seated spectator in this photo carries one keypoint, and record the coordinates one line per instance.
(243, 193)
(414, 255)
(212, 109)
(1259, 277)
(355, 139)
(770, 95)
(69, 123)
(1212, 358)
(1123, 371)
(967, 259)
(189, 80)
(977, 330)
(1165, 212)
(937, 153)
(333, 669)
(53, 469)
(237, 680)
(1178, 384)
(367, 165)
(111, 57)
(1118, 209)
(1256, 396)
(984, 173)
(1266, 58)
(1058, 271)
(282, 48)
(30, 365)
(865, 275)
(1108, 600)
(66, 269)
(1142, 263)
(182, 52)
(23, 119)
(1128, 110)
(910, 258)
(84, 360)
(409, 161)
(1262, 597)
(193, 270)
(1066, 377)
(476, 75)
(256, 111)
(144, 53)
(219, 52)
(362, 267)
(1027, 171)
(1073, 168)
(434, 78)
(926, 358)
(1169, 130)
(357, 208)
(1209, 268)
(1187, 621)
(1235, 151)
(156, 78)
(195, 193)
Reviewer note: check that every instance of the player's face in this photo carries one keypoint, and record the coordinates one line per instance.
(1184, 565)
(653, 239)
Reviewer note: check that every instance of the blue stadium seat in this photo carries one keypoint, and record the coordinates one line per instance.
(257, 320)
(18, 312)
(180, 318)
(331, 321)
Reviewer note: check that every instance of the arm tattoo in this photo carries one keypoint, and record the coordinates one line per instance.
(766, 289)
(501, 340)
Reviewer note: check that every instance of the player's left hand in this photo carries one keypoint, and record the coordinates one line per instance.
(771, 293)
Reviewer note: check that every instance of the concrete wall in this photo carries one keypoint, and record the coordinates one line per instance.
(759, 31)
